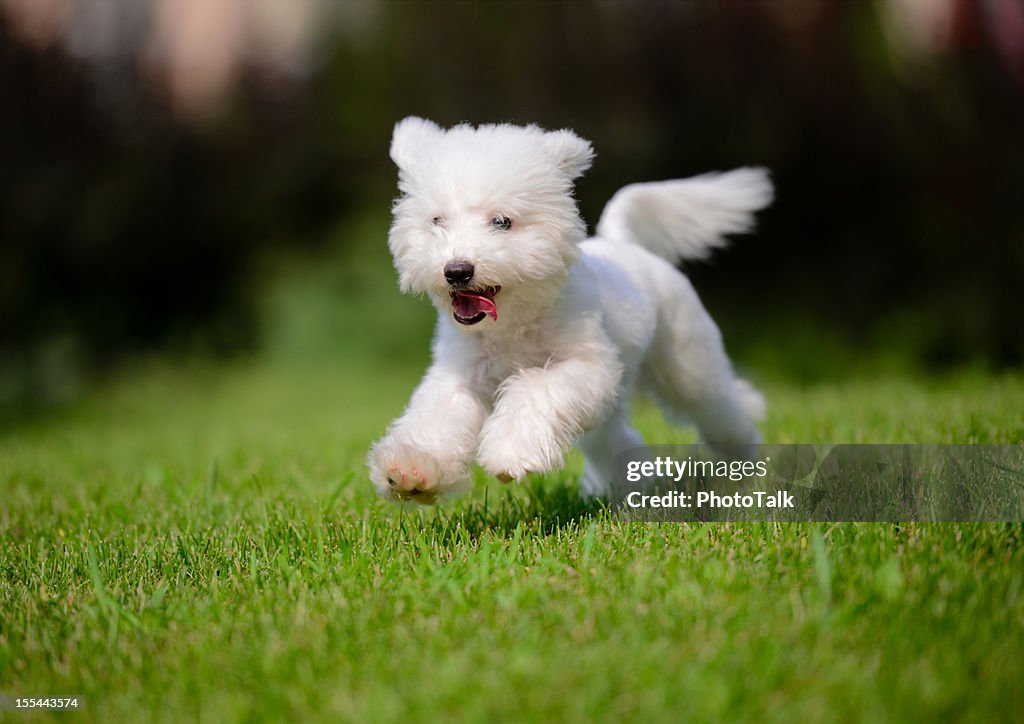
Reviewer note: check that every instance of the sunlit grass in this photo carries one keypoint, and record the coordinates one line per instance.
(201, 542)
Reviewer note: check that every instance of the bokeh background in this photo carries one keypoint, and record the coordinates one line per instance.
(207, 178)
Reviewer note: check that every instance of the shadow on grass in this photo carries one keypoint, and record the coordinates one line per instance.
(547, 509)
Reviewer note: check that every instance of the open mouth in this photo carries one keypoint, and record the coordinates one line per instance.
(470, 306)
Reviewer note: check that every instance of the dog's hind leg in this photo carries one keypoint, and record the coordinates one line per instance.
(599, 447)
(689, 374)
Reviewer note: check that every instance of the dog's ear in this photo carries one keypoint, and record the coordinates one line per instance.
(572, 154)
(410, 135)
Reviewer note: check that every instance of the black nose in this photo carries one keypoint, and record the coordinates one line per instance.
(458, 272)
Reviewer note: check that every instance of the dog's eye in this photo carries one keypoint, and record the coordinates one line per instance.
(501, 223)
(437, 221)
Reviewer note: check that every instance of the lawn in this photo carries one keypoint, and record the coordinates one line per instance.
(201, 542)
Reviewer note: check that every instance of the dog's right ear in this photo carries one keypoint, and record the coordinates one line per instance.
(410, 135)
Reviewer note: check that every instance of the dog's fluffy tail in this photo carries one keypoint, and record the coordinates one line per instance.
(686, 218)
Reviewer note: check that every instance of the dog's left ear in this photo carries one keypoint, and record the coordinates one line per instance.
(572, 154)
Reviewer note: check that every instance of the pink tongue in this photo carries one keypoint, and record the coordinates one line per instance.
(467, 305)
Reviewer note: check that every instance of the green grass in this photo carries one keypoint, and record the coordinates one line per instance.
(202, 543)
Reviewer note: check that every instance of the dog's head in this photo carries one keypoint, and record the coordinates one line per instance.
(487, 225)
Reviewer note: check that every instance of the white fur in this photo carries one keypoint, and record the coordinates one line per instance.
(582, 324)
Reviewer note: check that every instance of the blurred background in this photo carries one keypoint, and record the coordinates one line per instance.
(183, 178)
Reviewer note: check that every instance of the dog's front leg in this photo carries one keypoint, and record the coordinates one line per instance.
(541, 411)
(426, 452)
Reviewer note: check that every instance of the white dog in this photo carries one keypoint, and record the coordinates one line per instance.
(543, 335)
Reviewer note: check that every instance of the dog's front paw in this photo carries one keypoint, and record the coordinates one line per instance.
(401, 471)
(513, 455)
